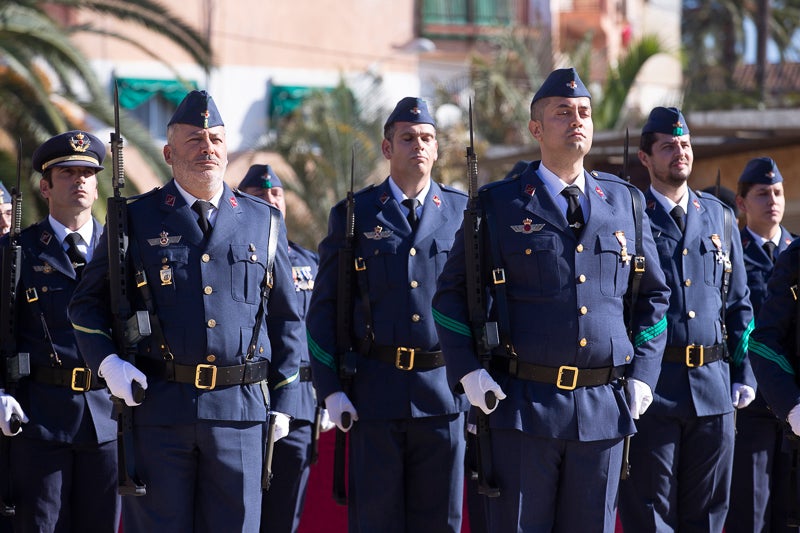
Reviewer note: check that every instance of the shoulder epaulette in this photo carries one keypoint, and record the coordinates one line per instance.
(142, 195)
(448, 188)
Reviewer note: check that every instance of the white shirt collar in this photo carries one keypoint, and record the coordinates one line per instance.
(86, 232)
(400, 195)
(190, 200)
(668, 204)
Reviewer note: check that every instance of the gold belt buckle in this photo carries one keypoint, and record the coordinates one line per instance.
(692, 348)
(199, 371)
(561, 371)
(81, 379)
(398, 360)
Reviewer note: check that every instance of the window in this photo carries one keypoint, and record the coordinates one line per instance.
(152, 102)
(469, 12)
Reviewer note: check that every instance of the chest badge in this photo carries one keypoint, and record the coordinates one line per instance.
(164, 239)
(623, 244)
(378, 233)
(166, 275)
(527, 226)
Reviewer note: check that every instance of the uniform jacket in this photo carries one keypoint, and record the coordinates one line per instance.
(207, 308)
(773, 350)
(759, 269)
(693, 268)
(56, 413)
(402, 269)
(565, 301)
(304, 271)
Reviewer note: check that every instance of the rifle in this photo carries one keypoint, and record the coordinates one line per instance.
(344, 344)
(485, 334)
(125, 337)
(17, 365)
(316, 430)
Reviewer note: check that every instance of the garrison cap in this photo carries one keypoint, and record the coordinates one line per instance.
(563, 82)
(260, 176)
(74, 148)
(410, 109)
(197, 109)
(667, 120)
(761, 170)
(5, 197)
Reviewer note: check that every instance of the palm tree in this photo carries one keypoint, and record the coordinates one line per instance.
(330, 133)
(44, 79)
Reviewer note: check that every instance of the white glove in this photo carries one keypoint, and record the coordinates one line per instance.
(119, 376)
(325, 422)
(742, 395)
(337, 403)
(281, 425)
(476, 384)
(10, 407)
(640, 396)
(794, 419)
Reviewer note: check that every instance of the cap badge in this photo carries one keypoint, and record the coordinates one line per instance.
(770, 174)
(79, 142)
(205, 114)
(414, 110)
(572, 84)
(677, 128)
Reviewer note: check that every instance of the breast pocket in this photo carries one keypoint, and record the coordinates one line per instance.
(533, 265)
(440, 249)
(380, 258)
(248, 266)
(166, 272)
(614, 272)
(712, 264)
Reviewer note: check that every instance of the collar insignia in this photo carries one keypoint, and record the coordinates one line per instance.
(436, 200)
(170, 200)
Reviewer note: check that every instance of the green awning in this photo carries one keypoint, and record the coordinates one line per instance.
(133, 92)
(283, 99)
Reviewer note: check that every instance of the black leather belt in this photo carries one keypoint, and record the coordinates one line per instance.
(564, 377)
(77, 379)
(406, 358)
(305, 373)
(205, 376)
(693, 355)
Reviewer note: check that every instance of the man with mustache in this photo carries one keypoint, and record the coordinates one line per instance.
(682, 456)
(225, 353)
(63, 462)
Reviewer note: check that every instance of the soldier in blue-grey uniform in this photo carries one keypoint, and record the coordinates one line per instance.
(213, 374)
(282, 505)
(5, 210)
(63, 462)
(759, 487)
(564, 241)
(682, 457)
(406, 446)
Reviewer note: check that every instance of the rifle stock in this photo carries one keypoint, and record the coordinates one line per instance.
(117, 230)
(344, 345)
(484, 333)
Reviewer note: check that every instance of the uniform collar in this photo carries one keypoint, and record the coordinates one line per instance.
(668, 204)
(400, 195)
(190, 200)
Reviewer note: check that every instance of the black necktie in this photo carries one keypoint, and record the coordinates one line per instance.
(574, 211)
(201, 207)
(411, 204)
(75, 255)
(679, 217)
(769, 247)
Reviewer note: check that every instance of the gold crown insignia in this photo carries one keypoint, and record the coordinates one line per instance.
(79, 142)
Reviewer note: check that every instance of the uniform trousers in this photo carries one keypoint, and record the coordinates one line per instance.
(406, 475)
(553, 485)
(61, 487)
(200, 477)
(680, 474)
(282, 504)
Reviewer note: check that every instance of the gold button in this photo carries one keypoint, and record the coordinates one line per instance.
(415, 317)
(691, 314)
(205, 258)
(584, 310)
(253, 258)
(688, 283)
(164, 260)
(413, 251)
(414, 284)
(207, 289)
(376, 252)
(583, 342)
(581, 278)
(212, 323)
(685, 251)
(627, 357)
(44, 289)
(579, 248)
(211, 358)
(527, 251)
(261, 349)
